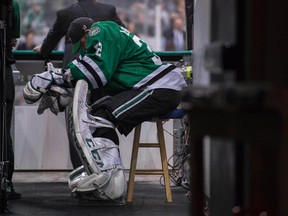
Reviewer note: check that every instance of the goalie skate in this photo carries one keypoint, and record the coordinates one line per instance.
(105, 178)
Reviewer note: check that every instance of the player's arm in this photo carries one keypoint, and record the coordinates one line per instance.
(99, 62)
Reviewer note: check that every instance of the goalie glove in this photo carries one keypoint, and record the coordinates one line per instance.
(30, 94)
(41, 83)
(38, 85)
(60, 76)
(57, 74)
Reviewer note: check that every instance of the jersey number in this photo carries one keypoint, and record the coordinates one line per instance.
(98, 48)
(139, 42)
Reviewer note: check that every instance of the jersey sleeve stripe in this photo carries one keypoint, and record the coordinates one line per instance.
(92, 73)
(86, 73)
(96, 69)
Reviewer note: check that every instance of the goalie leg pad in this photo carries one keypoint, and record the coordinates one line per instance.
(93, 149)
(100, 156)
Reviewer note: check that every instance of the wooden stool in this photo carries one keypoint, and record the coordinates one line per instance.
(175, 114)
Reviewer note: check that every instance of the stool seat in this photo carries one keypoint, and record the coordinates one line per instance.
(174, 114)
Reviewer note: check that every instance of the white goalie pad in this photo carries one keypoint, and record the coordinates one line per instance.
(104, 178)
(101, 187)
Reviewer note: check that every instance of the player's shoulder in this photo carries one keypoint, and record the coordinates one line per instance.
(71, 8)
(105, 5)
(107, 24)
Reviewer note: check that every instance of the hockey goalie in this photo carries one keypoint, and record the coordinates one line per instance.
(101, 178)
(137, 87)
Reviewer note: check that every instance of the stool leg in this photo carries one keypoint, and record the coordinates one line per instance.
(133, 162)
(164, 161)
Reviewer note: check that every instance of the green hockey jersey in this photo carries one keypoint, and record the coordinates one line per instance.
(118, 60)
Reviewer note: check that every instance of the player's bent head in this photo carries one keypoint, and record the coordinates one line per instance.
(77, 30)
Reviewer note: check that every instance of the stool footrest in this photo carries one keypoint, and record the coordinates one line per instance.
(149, 172)
(149, 145)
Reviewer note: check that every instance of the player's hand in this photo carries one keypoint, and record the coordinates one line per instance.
(37, 48)
(14, 42)
(61, 77)
(57, 74)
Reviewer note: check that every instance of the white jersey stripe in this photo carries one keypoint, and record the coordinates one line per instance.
(86, 73)
(150, 76)
(96, 68)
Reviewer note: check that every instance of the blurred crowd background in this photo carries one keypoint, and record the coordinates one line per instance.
(161, 23)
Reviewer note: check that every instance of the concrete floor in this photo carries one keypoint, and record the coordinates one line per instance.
(49, 195)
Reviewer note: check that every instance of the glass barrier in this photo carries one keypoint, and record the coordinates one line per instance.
(154, 21)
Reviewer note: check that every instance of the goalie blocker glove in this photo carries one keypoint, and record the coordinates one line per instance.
(41, 83)
(38, 85)
(30, 94)
(61, 77)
